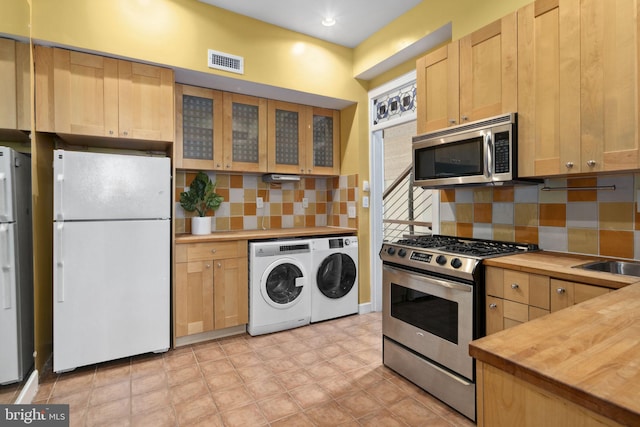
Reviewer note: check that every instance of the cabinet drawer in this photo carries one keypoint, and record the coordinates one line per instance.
(535, 312)
(516, 311)
(516, 286)
(217, 250)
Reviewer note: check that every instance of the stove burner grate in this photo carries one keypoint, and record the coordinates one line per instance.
(471, 247)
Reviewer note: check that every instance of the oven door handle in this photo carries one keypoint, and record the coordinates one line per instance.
(432, 280)
(450, 285)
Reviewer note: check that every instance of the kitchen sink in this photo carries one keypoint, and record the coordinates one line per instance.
(626, 268)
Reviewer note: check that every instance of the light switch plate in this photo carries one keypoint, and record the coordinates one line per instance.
(365, 202)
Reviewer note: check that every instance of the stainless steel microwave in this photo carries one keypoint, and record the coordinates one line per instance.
(481, 152)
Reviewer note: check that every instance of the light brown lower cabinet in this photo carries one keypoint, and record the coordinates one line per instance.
(504, 400)
(211, 287)
(565, 293)
(515, 297)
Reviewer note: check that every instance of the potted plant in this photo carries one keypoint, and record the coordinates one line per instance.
(201, 198)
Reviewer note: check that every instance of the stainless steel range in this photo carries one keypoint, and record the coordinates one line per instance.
(432, 307)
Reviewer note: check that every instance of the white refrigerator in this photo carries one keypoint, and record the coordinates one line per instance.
(111, 257)
(16, 268)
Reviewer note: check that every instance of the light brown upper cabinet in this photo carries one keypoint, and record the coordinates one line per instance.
(91, 95)
(470, 79)
(245, 133)
(288, 132)
(578, 87)
(198, 128)
(15, 110)
(220, 130)
(323, 153)
(303, 139)
(438, 89)
(489, 70)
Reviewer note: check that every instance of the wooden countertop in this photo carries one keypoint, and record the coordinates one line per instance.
(280, 233)
(588, 353)
(560, 266)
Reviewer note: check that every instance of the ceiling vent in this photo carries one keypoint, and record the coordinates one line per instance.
(226, 62)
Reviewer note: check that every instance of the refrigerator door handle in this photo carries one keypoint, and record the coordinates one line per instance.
(60, 265)
(4, 216)
(6, 267)
(60, 182)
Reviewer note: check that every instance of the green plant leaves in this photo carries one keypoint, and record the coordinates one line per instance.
(201, 196)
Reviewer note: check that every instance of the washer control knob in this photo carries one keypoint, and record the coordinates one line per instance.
(456, 263)
(442, 260)
(391, 250)
(402, 253)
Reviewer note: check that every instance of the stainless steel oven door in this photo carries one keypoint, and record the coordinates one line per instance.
(432, 316)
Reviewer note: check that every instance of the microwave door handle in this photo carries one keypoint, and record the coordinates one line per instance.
(489, 157)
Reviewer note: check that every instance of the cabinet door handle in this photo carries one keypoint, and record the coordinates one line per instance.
(219, 265)
(213, 251)
(208, 265)
(514, 286)
(591, 163)
(493, 306)
(560, 291)
(452, 121)
(569, 165)
(465, 118)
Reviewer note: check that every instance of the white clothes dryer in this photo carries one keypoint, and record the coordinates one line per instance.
(279, 285)
(335, 272)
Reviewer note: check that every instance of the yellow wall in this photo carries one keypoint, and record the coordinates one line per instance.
(179, 32)
(14, 18)
(465, 15)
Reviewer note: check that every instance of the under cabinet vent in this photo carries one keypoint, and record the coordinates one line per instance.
(226, 62)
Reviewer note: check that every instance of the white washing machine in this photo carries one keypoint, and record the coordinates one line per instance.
(335, 277)
(279, 285)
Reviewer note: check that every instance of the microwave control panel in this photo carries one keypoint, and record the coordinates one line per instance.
(501, 153)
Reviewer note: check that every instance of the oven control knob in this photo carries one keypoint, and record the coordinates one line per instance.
(442, 260)
(456, 263)
(391, 250)
(402, 253)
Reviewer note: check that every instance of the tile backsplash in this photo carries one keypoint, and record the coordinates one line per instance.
(329, 200)
(595, 222)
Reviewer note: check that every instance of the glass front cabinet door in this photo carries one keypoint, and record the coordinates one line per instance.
(199, 131)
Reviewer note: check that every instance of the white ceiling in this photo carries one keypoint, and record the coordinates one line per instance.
(356, 20)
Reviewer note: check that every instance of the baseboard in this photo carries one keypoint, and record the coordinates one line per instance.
(365, 308)
(207, 336)
(29, 389)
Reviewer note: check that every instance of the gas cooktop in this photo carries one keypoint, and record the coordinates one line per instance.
(472, 247)
(447, 255)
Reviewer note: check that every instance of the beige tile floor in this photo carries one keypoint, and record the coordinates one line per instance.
(325, 374)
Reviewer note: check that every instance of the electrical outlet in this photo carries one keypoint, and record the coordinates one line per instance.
(351, 211)
(259, 203)
(365, 202)
(305, 202)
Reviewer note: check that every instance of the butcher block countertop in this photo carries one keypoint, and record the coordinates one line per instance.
(280, 233)
(560, 266)
(588, 353)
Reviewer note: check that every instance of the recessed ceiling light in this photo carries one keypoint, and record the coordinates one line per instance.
(329, 22)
